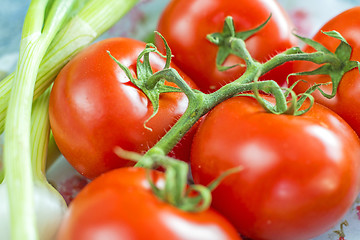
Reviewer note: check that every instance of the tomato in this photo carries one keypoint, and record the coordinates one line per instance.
(94, 107)
(120, 205)
(300, 173)
(185, 25)
(346, 102)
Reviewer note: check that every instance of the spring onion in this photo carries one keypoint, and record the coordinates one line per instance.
(96, 17)
(30, 207)
(37, 35)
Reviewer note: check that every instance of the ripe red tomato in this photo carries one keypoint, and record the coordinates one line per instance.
(346, 102)
(185, 25)
(121, 205)
(94, 107)
(300, 173)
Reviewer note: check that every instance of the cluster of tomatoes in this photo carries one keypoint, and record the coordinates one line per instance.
(300, 174)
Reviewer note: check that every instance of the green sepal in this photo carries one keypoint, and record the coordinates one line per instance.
(269, 87)
(176, 190)
(199, 203)
(143, 67)
(244, 35)
(304, 96)
(269, 107)
(308, 93)
(287, 102)
(316, 45)
(168, 55)
(223, 40)
(336, 70)
(296, 101)
(343, 51)
(144, 74)
(292, 103)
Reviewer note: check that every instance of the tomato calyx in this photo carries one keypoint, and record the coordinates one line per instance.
(176, 190)
(338, 65)
(225, 38)
(144, 74)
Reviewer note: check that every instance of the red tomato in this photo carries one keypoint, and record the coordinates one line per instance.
(121, 205)
(94, 107)
(346, 102)
(300, 173)
(185, 25)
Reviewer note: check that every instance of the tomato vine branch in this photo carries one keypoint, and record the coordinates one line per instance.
(201, 103)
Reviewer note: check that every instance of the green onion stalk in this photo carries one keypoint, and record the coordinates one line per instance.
(36, 37)
(53, 32)
(91, 21)
(87, 21)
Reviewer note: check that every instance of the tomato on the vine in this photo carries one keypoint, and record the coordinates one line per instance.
(185, 25)
(120, 205)
(300, 173)
(94, 107)
(346, 102)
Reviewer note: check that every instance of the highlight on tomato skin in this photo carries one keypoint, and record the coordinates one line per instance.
(346, 102)
(94, 108)
(120, 205)
(301, 174)
(185, 30)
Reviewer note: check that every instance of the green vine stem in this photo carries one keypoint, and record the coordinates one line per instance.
(200, 103)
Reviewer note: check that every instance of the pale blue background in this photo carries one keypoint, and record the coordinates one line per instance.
(12, 13)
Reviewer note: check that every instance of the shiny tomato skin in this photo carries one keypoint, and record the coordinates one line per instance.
(346, 102)
(94, 108)
(300, 173)
(120, 205)
(185, 25)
